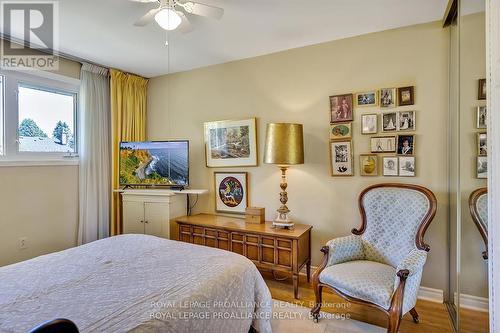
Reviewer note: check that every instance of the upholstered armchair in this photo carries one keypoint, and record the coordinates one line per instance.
(381, 264)
(478, 205)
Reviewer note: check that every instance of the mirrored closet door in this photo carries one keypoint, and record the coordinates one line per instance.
(468, 294)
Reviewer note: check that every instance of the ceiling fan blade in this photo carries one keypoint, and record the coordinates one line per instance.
(148, 18)
(185, 25)
(201, 9)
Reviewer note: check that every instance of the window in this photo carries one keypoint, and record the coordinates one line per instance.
(45, 120)
(38, 117)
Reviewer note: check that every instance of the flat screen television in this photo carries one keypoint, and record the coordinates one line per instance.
(154, 163)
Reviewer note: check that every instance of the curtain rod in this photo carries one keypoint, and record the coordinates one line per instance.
(63, 55)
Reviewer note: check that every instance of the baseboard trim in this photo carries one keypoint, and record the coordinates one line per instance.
(472, 302)
(431, 294)
(424, 293)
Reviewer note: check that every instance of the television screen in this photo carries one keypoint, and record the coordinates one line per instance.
(154, 163)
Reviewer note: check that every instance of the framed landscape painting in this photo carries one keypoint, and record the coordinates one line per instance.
(231, 143)
(231, 192)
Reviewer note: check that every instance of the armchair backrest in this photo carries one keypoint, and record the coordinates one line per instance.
(478, 205)
(394, 220)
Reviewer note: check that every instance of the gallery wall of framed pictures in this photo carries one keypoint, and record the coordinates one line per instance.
(481, 135)
(387, 115)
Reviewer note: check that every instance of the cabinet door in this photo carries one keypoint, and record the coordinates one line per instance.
(133, 217)
(267, 248)
(156, 219)
(252, 247)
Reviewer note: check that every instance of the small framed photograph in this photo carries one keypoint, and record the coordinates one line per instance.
(482, 144)
(389, 122)
(368, 164)
(407, 166)
(482, 167)
(231, 143)
(388, 97)
(231, 192)
(340, 131)
(383, 144)
(406, 144)
(481, 117)
(406, 120)
(481, 89)
(368, 98)
(390, 166)
(341, 158)
(369, 124)
(341, 108)
(406, 96)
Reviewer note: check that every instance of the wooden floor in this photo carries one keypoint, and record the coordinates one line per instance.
(433, 316)
(474, 321)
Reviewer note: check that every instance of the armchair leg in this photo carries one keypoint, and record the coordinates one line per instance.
(318, 292)
(414, 315)
(316, 285)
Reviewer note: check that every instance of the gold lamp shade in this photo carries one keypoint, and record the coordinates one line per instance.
(284, 144)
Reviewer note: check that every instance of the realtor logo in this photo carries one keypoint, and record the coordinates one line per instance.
(31, 27)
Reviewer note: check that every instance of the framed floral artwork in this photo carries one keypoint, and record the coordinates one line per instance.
(340, 131)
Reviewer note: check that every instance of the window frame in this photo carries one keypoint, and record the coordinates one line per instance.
(45, 82)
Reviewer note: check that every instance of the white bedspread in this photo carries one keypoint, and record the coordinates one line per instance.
(136, 283)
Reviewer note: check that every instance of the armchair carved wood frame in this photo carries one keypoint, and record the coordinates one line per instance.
(478, 217)
(395, 309)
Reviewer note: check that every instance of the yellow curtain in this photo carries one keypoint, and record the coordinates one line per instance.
(128, 123)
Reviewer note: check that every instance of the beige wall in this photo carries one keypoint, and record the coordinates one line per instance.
(38, 202)
(294, 86)
(474, 270)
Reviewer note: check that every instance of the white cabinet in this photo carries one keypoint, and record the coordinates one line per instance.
(150, 211)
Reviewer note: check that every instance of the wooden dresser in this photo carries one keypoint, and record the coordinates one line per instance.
(272, 249)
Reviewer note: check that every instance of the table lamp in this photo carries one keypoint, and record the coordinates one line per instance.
(284, 147)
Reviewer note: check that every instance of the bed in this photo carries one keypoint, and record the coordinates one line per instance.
(136, 283)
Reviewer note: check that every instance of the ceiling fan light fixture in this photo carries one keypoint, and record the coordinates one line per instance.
(168, 19)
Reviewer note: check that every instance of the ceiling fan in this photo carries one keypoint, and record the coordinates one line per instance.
(170, 14)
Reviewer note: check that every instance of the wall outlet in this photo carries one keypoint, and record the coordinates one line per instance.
(23, 243)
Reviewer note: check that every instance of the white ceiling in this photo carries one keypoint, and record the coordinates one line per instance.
(102, 31)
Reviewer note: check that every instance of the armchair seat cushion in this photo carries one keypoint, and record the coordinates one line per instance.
(367, 280)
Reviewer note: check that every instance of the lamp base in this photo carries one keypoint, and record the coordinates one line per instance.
(283, 221)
